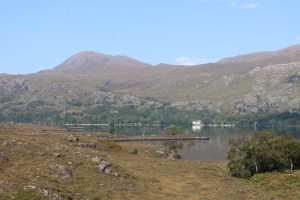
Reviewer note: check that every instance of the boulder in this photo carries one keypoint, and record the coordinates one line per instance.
(163, 153)
(107, 170)
(29, 187)
(103, 164)
(174, 155)
(62, 171)
(73, 138)
(168, 154)
(116, 174)
(44, 192)
(93, 144)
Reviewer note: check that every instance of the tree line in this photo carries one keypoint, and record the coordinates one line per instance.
(164, 115)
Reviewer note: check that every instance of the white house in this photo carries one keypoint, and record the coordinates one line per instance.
(197, 123)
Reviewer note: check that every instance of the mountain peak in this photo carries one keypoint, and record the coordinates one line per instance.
(88, 62)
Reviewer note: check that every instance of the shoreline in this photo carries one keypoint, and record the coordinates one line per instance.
(37, 162)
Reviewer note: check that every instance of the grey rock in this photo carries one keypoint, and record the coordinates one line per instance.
(93, 144)
(44, 192)
(73, 138)
(168, 154)
(56, 196)
(162, 153)
(29, 187)
(62, 171)
(174, 155)
(116, 174)
(108, 170)
(103, 164)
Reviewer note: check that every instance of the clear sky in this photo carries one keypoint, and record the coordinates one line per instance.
(40, 34)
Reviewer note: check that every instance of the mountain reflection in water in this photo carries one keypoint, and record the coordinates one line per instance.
(215, 148)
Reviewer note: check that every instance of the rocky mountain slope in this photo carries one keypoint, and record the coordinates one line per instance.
(267, 82)
(89, 62)
(286, 55)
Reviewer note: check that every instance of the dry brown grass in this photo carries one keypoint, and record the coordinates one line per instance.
(144, 175)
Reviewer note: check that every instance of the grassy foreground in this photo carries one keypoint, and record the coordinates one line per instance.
(28, 154)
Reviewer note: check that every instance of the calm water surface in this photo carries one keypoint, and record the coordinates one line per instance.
(215, 148)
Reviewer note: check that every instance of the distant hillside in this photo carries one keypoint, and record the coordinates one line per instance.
(257, 82)
(89, 62)
(290, 54)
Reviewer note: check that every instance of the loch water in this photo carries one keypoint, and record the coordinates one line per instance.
(214, 149)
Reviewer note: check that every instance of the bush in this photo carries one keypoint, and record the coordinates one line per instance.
(173, 130)
(111, 130)
(174, 145)
(263, 152)
(132, 151)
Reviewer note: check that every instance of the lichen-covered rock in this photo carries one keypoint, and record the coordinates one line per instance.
(168, 154)
(93, 144)
(73, 138)
(62, 171)
(107, 170)
(174, 155)
(103, 164)
(162, 153)
(29, 187)
(116, 174)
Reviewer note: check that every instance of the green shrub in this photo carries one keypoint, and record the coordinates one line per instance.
(132, 151)
(173, 130)
(263, 152)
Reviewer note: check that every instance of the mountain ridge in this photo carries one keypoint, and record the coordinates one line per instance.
(103, 82)
(90, 62)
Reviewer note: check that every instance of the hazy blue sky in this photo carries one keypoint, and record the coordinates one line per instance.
(39, 34)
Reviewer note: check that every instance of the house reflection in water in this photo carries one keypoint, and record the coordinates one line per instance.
(197, 125)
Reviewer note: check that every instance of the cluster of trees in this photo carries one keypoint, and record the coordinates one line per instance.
(263, 152)
(49, 117)
(164, 115)
(173, 130)
(128, 114)
(266, 119)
